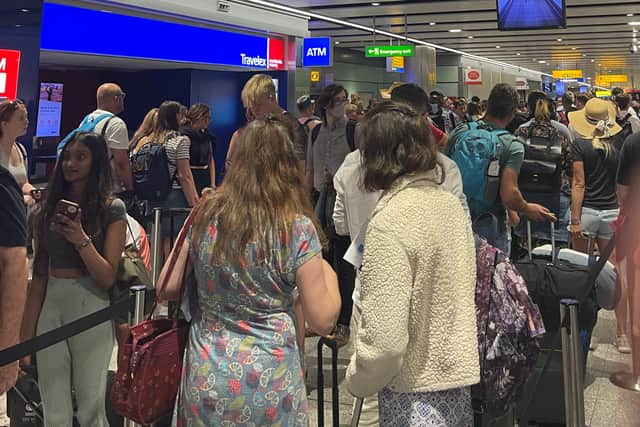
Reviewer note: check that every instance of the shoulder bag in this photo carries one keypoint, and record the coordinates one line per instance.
(150, 365)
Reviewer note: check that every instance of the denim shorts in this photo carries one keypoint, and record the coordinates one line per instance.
(171, 224)
(597, 223)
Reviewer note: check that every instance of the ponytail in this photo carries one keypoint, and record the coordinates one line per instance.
(542, 113)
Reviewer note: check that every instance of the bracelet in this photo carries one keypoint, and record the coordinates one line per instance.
(83, 244)
(574, 223)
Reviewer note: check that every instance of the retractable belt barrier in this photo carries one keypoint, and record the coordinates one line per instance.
(76, 327)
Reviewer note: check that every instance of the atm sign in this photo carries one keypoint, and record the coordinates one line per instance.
(9, 71)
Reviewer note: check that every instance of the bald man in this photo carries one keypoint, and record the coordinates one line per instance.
(110, 99)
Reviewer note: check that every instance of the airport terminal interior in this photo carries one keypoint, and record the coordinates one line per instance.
(476, 73)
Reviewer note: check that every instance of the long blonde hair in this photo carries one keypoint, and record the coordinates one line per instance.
(146, 128)
(261, 196)
(542, 113)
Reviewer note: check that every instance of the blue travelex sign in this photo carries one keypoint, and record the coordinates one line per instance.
(317, 52)
(88, 31)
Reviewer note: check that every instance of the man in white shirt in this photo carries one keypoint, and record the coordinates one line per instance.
(354, 206)
(110, 99)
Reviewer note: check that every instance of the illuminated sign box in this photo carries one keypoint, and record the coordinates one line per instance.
(317, 52)
(77, 30)
(566, 74)
(385, 51)
(9, 72)
(395, 64)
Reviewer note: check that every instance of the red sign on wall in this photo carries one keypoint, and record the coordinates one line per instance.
(275, 53)
(472, 77)
(9, 71)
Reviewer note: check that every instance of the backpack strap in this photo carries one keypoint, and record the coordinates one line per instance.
(351, 134)
(309, 120)
(315, 132)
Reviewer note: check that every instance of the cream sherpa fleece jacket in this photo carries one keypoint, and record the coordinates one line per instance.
(418, 330)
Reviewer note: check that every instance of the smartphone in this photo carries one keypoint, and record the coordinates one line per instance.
(67, 208)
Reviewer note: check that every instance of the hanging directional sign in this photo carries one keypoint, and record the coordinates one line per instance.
(386, 51)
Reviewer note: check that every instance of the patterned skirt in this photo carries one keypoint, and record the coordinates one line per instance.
(448, 408)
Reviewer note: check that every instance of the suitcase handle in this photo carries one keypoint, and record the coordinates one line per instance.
(333, 345)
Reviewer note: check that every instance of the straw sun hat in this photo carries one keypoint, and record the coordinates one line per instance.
(596, 120)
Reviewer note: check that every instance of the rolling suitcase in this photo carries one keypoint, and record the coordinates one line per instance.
(335, 403)
(566, 296)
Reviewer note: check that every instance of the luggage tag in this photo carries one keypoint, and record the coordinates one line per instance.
(355, 253)
(536, 325)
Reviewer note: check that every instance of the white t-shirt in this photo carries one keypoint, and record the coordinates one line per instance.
(117, 138)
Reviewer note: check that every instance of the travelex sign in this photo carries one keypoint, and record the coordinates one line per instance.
(386, 51)
(132, 39)
(317, 52)
(9, 72)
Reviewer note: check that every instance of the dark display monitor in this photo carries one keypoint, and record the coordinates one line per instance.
(531, 14)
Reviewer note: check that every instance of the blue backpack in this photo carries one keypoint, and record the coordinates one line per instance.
(88, 124)
(150, 170)
(477, 154)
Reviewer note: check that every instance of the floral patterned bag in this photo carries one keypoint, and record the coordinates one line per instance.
(508, 324)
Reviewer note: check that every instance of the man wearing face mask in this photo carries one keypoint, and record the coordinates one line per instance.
(329, 143)
(437, 114)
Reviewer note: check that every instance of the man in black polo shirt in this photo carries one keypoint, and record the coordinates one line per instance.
(13, 270)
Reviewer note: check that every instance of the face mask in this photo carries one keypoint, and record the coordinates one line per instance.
(338, 110)
(435, 108)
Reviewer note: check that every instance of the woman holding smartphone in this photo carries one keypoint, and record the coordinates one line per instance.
(79, 238)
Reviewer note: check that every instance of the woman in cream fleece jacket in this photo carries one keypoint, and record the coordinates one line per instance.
(417, 343)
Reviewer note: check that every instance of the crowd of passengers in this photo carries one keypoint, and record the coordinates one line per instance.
(268, 244)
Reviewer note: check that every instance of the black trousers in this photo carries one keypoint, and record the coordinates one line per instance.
(346, 275)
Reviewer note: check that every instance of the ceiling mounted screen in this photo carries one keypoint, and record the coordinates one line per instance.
(531, 14)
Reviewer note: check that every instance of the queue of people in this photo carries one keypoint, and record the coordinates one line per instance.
(269, 246)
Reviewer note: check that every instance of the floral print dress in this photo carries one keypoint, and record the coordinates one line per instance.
(242, 365)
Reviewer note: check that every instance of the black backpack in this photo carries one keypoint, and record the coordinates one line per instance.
(351, 134)
(627, 130)
(150, 170)
(541, 171)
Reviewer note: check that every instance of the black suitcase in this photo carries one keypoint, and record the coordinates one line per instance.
(24, 407)
(549, 281)
(335, 403)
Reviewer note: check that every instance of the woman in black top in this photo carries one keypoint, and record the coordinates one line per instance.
(79, 238)
(594, 204)
(202, 147)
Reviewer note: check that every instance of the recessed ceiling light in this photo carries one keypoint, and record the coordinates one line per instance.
(337, 42)
(559, 40)
(593, 60)
(542, 62)
(18, 25)
(469, 37)
(375, 4)
(634, 23)
(584, 54)
(455, 30)
(432, 23)
(629, 14)
(517, 53)
(635, 30)
(574, 48)
(498, 47)
(24, 10)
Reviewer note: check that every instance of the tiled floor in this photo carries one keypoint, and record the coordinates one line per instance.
(605, 404)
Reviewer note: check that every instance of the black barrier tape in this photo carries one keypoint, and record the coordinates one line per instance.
(76, 327)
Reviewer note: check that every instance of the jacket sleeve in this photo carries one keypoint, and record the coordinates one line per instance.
(453, 184)
(386, 281)
(339, 210)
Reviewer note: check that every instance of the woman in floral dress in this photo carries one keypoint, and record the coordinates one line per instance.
(252, 244)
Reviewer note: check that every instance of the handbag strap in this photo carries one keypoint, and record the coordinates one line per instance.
(171, 262)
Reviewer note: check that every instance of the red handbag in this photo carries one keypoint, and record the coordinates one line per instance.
(150, 365)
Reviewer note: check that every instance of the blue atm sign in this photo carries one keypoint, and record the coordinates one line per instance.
(317, 52)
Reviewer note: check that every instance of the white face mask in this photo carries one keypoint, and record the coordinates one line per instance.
(435, 108)
(338, 110)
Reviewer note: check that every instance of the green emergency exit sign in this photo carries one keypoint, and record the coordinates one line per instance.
(385, 51)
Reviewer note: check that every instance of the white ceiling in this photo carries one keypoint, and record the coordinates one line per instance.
(597, 38)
